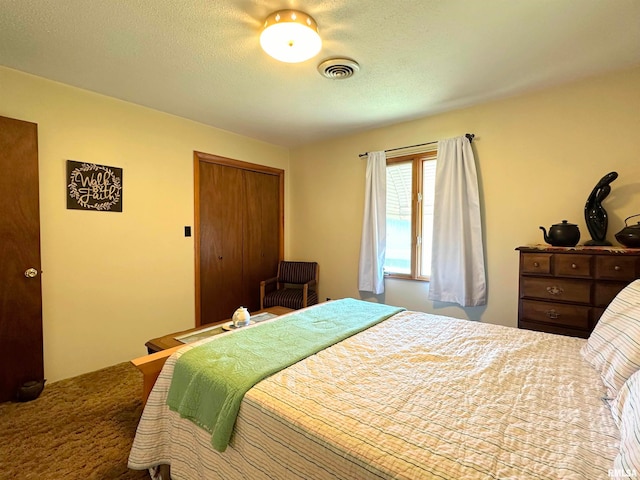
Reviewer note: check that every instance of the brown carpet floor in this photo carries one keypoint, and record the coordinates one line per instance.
(79, 428)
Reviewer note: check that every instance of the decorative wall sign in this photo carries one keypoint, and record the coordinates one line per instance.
(94, 187)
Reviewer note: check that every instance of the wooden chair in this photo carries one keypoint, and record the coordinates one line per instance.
(295, 286)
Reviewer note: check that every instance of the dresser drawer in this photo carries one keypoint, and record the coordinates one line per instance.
(550, 328)
(573, 265)
(574, 316)
(616, 268)
(535, 263)
(556, 289)
(606, 291)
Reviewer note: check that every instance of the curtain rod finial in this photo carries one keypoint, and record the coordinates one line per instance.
(470, 136)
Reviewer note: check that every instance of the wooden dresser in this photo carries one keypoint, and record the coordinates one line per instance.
(565, 290)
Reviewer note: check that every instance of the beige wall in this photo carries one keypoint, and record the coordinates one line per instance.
(111, 281)
(538, 157)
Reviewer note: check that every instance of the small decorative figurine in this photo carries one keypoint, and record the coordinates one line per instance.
(241, 317)
(594, 214)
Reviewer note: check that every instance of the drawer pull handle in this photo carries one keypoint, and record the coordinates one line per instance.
(617, 268)
(555, 290)
(552, 314)
(574, 266)
(536, 264)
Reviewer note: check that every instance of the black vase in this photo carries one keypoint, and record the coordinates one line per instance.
(594, 213)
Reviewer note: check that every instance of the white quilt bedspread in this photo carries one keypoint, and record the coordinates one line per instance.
(416, 397)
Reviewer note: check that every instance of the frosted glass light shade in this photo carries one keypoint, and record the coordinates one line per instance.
(290, 36)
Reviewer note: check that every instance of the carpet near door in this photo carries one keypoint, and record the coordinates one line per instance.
(79, 428)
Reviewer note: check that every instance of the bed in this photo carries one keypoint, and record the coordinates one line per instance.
(423, 396)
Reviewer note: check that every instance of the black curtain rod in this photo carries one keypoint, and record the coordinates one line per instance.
(470, 136)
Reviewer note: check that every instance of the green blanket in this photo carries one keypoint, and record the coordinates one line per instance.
(210, 380)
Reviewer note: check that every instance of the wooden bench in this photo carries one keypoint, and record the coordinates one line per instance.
(151, 365)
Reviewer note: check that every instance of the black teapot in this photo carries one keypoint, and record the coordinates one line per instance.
(629, 236)
(562, 234)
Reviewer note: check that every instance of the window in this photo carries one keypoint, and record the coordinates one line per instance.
(410, 193)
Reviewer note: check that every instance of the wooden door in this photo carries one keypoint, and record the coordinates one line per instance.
(21, 352)
(239, 233)
(261, 233)
(220, 241)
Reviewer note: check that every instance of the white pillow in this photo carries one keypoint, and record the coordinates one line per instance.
(614, 345)
(626, 412)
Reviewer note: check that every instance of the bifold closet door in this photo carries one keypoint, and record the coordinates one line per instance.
(221, 249)
(240, 228)
(261, 237)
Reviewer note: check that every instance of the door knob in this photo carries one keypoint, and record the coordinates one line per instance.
(30, 273)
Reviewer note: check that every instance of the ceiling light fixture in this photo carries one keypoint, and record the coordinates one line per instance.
(290, 36)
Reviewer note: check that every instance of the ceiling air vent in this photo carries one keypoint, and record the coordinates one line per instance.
(338, 68)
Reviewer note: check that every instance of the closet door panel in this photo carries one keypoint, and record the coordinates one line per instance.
(261, 232)
(221, 251)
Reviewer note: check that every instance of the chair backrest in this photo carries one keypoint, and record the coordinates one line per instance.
(297, 272)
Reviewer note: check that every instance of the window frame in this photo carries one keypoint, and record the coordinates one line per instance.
(416, 160)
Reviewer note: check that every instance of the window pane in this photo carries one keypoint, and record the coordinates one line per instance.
(398, 254)
(428, 190)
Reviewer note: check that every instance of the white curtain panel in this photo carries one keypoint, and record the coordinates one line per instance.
(457, 269)
(374, 226)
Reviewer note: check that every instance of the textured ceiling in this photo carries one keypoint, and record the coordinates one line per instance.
(202, 59)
